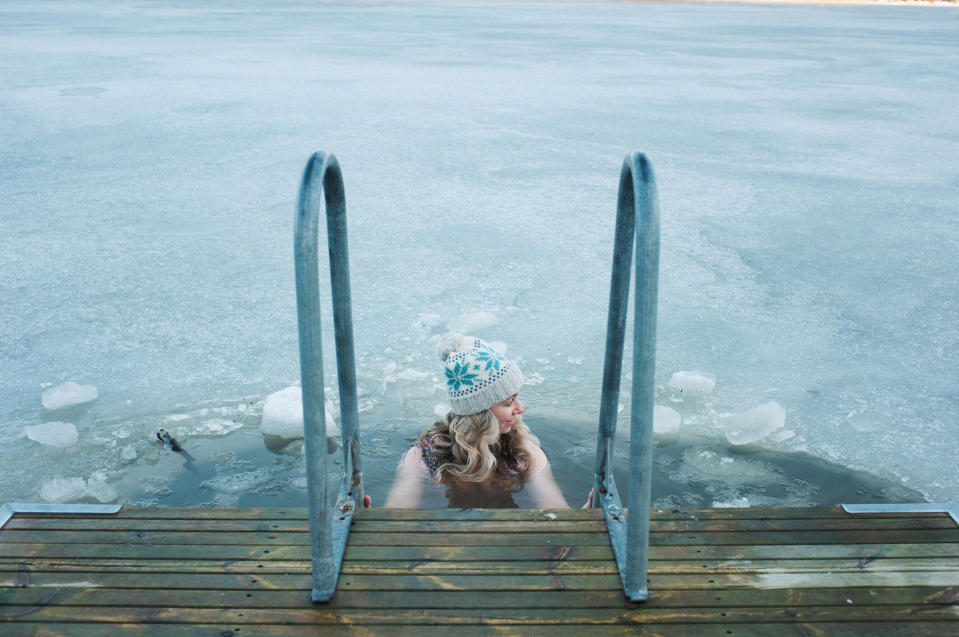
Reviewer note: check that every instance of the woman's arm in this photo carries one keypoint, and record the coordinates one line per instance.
(407, 487)
(540, 483)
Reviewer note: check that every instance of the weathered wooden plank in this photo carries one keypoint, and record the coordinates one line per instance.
(357, 553)
(215, 552)
(804, 551)
(479, 539)
(111, 523)
(859, 553)
(537, 525)
(147, 567)
(360, 538)
(172, 598)
(291, 539)
(278, 581)
(799, 513)
(661, 526)
(454, 581)
(258, 598)
(396, 567)
(656, 582)
(852, 629)
(277, 540)
(697, 567)
(258, 538)
(787, 525)
(318, 615)
(302, 513)
(480, 526)
(706, 538)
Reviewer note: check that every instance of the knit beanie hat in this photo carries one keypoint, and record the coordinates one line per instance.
(477, 376)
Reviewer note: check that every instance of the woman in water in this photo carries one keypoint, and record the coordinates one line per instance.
(481, 452)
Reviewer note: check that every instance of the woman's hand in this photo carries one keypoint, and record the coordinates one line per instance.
(589, 501)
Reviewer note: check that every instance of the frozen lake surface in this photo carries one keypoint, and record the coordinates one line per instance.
(806, 162)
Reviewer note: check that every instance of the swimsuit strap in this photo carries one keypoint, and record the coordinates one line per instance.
(429, 454)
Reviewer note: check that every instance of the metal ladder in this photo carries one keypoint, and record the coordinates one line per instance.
(329, 528)
(630, 540)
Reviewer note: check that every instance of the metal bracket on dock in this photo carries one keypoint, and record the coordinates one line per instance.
(912, 507)
(8, 510)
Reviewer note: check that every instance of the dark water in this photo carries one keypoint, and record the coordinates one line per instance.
(247, 470)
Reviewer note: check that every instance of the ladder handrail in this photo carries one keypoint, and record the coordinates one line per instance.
(630, 540)
(328, 527)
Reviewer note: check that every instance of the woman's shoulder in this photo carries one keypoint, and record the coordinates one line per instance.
(537, 458)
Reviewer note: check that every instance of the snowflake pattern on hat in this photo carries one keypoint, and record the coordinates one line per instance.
(459, 376)
(478, 377)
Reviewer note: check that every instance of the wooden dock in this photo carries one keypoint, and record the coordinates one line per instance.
(244, 572)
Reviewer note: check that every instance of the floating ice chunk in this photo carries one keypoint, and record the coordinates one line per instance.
(128, 453)
(704, 464)
(283, 414)
(754, 424)
(686, 382)
(53, 434)
(666, 422)
(60, 490)
(99, 490)
(68, 394)
(238, 482)
(214, 427)
(468, 323)
(735, 503)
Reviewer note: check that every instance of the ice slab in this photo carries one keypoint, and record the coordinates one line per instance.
(53, 434)
(736, 503)
(214, 427)
(752, 425)
(69, 394)
(99, 490)
(283, 414)
(666, 422)
(472, 322)
(689, 382)
(60, 490)
(238, 482)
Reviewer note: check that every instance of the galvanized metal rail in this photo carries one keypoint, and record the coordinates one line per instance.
(9, 509)
(637, 221)
(329, 528)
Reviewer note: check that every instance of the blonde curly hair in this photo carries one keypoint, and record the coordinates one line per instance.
(471, 449)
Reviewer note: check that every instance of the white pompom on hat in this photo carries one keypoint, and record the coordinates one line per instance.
(477, 376)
